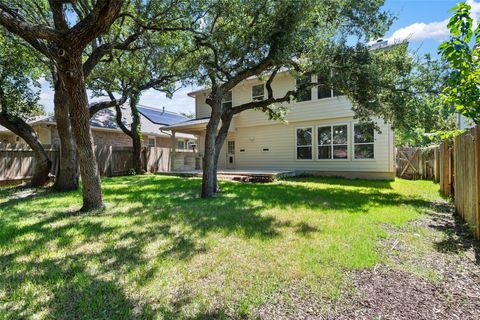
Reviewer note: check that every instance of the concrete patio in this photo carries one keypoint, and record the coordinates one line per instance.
(247, 175)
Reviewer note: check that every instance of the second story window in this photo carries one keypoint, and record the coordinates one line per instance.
(258, 92)
(227, 100)
(323, 90)
(305, 94)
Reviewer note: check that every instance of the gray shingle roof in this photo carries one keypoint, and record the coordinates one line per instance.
(106, 119)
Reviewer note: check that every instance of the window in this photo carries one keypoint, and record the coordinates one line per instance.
(151, 142)
(191, 145)
(231, 147)
(323, 91)
(363, 143)
(304, 143)
(333, 142)
(227, 100)
(181, 145)
(258, 92)
(305, 94)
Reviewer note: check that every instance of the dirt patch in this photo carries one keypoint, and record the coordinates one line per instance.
(444, 248)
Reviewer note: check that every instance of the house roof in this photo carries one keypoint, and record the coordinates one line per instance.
(34, 120)
(207, 89)
(190, 124)
(152, 121)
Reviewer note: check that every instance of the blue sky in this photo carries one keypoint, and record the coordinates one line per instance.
(423, 22)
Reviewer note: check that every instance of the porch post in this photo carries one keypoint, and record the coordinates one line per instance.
(172, 153)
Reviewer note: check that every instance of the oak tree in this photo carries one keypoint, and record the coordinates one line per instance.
(241, 39)
(64, 45)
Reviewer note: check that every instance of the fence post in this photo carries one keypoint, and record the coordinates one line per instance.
(476, 132)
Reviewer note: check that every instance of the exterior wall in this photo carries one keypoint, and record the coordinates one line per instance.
(274, 147)
(113, 138)
(43, 132)
(202, 109)
(7, 137)
(264, 144)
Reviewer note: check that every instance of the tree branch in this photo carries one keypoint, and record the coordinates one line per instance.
(99, 52)
(97, 22)
(98, 106)
(15, 23)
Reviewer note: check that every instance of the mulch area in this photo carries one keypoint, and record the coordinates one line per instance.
(386, 293)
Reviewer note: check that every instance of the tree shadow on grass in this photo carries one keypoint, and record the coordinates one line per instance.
(458, 235)
(163, 210)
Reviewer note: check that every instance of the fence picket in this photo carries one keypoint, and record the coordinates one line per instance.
(16, 161)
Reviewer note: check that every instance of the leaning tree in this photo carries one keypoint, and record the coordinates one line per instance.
(64, 45)
(299, 36)
(162, 63)
(123, 36)
(19, 95)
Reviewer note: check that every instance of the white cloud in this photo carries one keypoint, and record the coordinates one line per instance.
(432, 31)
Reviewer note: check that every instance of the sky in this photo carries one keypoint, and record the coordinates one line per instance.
(423, 22)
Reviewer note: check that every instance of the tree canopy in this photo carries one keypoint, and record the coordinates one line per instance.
(462, 53)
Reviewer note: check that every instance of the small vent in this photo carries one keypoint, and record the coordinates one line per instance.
(242, 150)
(265, 149)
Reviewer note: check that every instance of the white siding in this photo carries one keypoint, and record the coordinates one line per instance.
(280, 141)
(202, 109)
(253, 133)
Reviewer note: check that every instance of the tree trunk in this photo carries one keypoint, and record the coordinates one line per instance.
(68, 173)
(210, 157)
(134, 132)
(137, 154)
(42, 163)
(71, 75)
(219, 141)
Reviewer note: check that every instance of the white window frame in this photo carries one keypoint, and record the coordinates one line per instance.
(348, 144)
(332, 92)
(312, 144)
(262, 97)
(184, 144)
(363, 143)
(190, 143)
(228, 101)
(148, 141)
(311, 91)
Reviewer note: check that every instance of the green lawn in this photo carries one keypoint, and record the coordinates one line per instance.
(159, 251)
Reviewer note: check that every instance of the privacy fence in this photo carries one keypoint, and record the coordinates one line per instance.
(17, 161)
(455, 165)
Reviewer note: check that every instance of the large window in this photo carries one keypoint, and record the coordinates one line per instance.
(258, 92)
(333, 142)
(363, 143)
(305, 94)
(304, 137)
(227, 100)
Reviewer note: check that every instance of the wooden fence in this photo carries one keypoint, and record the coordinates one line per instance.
(456, 166)
(17, 161)
(418, 163)
(466, 177)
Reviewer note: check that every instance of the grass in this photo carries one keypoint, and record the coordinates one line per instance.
(160, 252)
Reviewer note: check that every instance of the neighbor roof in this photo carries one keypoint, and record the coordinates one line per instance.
(163, 116)
(152, 120)
(151, 124)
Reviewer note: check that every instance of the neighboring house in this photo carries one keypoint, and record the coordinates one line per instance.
(320, 136)
(464, 123)
(105, 130)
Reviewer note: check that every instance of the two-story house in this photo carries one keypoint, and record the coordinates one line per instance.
(320, 135)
